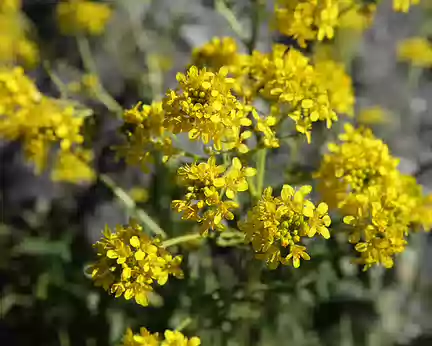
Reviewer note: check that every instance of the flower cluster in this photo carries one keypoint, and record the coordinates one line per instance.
(219, 52)
(286, 78)
(130, 262)
(212, 190)
(82, 17)
(171, 338)
(204, 107)
(333, 77)
(309, 20)
(145, 135)
(15, 45)
(404, 5)
(56, 123)
(361, 179)
(276, 226)
(417, 51)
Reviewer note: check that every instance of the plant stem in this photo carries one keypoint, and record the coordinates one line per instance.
(89, 65)
(183, 324)
(230, 17)
(181, 239)
(261, 167)
(130, 204)
(255, 24)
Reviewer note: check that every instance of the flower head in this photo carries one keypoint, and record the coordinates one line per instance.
(204, 107)
(276, 225)
(171, 338)
(83, 17)
(130, 262)
(208, 184)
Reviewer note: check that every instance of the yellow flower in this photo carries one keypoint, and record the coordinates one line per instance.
(333, 77)
(308, 20)
(171, 338)
(360, 161)
(360, 178)
(15, 45)
(276, 225)
(130, 262)
(74, 166)
(82, 17)
(417, 51)
(204, 107)
(219, 52)
(144, 338)
(404, 5)
(176, 338)
(286, 78)
(206, 183)
(373, 115)
(56, 123)
(145, 135)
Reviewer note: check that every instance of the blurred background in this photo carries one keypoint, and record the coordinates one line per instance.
(47, 228)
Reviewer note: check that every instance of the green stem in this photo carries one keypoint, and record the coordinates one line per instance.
(231, 18)
(181, 239)
(89, 65)
(255, 24)
(261, 167)
(130, 204)
(183, 324)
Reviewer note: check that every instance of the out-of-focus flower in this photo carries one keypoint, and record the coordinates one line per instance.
(404, 5)
(56, 123)
(83, 17)
(416, 50)
(309, 20)
(15, 45)
(373, 115)
(145, 134)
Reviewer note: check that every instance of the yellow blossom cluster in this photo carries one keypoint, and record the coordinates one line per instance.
(358, 17)
(56, 124)
(276, 226)
(360, 178)
(219, 52)
(15, 45)
(404, 5)
(286, 78)
(417, 51)
(77, 17)
(212, 191)
(145, 135)
(333, 77)
(171, 338)
(204, 107)
(309, 20)
(130, 262)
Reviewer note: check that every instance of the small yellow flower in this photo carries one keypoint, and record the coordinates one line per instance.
(130, 263)
(276, 225)
(404, 5)
(145, 134)
(308, 20)
(171, 338)
(204, 107)
(417, 51)
(206, 183)
(83, 17)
